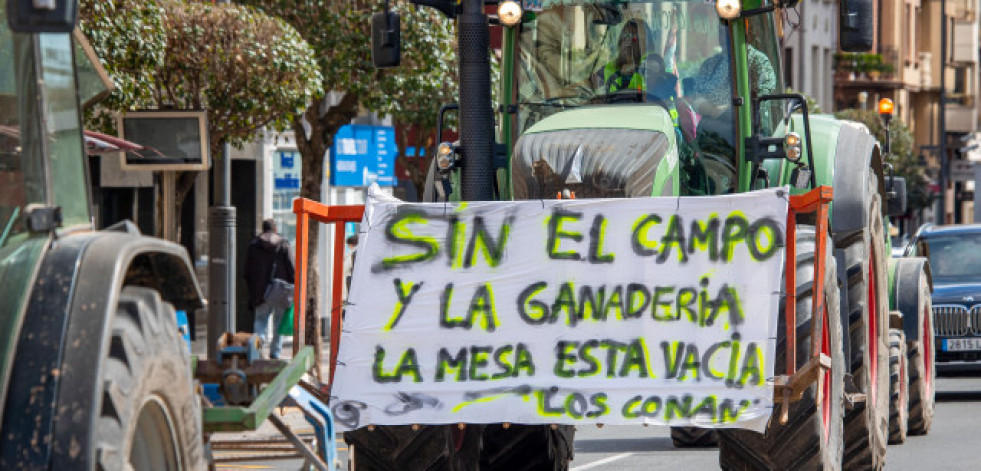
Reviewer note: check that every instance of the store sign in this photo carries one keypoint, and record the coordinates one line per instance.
(362, 155)
(613, 311)
(962, 170)
(286, 170)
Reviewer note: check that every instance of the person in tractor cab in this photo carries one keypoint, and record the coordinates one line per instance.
(624, 72)
(713, 88)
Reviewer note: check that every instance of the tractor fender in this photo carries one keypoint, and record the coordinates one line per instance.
(74, 294)
(856, 154)
(908, 273)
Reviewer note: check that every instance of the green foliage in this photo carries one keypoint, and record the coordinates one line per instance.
(340, 33)
(862, 62)
(903, 155)
(249, 70)
(129, 38)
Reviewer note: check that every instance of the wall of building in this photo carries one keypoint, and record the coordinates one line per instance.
(809, 49)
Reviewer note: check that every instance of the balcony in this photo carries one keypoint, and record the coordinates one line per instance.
(867, 71)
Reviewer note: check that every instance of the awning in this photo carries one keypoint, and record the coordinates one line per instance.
(97, 143)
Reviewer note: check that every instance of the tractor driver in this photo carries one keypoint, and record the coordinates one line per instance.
(623, 73)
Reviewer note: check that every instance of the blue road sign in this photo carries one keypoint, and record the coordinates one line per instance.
(362, 155)
(286, 173)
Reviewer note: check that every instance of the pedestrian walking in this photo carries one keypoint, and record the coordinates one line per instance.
(267, 264)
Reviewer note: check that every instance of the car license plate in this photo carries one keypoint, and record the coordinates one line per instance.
(962, 345)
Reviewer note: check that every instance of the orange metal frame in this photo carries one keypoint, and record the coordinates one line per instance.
(306, 210)
(816, 200)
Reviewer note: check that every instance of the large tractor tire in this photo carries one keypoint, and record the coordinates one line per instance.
(867, 423)
(898, 387)
(399, 447)
(812, 437)
(150, 417)
(922, 373)
(693, 437)
(527, 447)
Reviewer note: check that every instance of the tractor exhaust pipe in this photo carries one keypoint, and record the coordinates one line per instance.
(476, 114)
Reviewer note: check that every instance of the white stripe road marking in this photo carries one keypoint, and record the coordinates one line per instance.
(601, 462)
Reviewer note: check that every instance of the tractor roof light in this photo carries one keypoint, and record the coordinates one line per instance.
(728, 9)
(509, 13)
(886, 108)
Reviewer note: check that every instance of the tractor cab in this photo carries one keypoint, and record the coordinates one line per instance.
(634, 98)
(40, 131)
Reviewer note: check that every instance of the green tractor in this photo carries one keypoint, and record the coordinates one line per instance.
(635, 98)
(94, 372)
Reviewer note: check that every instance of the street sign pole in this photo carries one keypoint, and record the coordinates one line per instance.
(221, 256)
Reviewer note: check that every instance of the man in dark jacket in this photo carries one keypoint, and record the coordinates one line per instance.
(266, 251)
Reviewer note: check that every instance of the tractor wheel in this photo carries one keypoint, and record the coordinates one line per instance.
(150, 416)
(693, 437)
(867, 423)
(898, 387)
(399, 447)
(812, 437)
(526, 447)
(921, 367)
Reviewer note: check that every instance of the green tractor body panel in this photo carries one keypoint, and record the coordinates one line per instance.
(640, 117)
(824, 136)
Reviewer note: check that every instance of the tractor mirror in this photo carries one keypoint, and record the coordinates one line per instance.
(386, 39)
(42, 16)
(856, 30)
(896, 201)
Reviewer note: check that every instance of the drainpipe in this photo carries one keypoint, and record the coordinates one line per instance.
(942, 118)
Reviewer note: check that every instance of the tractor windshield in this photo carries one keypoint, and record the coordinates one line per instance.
(673, 54)
(21, 173)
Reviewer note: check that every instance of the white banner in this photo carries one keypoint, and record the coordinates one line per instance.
(614, 311)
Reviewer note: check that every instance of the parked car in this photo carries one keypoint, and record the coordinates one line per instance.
(955, 262)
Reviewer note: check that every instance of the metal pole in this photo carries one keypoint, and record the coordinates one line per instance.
(221, 263)
(476, 115)
(942, 119)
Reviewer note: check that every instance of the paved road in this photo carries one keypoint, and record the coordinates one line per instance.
(953, 444)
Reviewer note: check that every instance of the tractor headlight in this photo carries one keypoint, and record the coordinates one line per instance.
(728, 9)
(791, 146)
(444, 156)
(509, 13)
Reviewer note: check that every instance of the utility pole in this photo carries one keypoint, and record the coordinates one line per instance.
(944, 163)
(476, 114)
(221, 253)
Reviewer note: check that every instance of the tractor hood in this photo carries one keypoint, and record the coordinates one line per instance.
(597, 152)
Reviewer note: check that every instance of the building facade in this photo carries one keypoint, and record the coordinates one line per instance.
(810, 40)
(906, 64)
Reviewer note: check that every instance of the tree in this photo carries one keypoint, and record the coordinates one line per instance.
(248, 69)
(902, 156)
(339, 32)
(129, 38)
